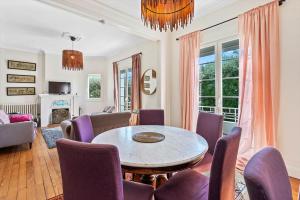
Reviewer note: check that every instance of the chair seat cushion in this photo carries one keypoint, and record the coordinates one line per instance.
(184, 185)
(137, 191)
(205, 164)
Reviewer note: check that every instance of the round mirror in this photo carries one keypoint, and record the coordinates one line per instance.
(149, 82)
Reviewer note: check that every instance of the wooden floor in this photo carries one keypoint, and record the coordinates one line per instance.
(29, 174)
(35, 174)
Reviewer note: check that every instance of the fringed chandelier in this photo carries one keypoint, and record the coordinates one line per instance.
(72, 59)
(164, 14)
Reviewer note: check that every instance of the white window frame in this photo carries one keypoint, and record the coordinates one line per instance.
(88, 87)
(218, 71)
(126, 103)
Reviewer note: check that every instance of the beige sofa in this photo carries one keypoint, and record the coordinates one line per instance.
(101, 123)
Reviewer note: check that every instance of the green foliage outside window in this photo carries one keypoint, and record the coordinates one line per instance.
(94, 87)
(230, 83)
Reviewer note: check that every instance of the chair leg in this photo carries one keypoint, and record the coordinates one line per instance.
(169, 175)
(124, 175)
(30, 145)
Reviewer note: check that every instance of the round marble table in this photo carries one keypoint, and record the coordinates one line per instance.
(179, 150)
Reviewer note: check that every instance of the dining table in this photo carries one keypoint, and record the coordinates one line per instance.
(149, 150)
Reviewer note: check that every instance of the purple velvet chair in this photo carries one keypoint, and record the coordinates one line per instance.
(191, 185)
(266, 176)
(210, 127)
(152, 117)
(83, 129)
(93, 172)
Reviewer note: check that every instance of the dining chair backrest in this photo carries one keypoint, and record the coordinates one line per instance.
(266, 176)
(90, 171)
(152, 117)
(83, 129)
(222, 175)
(210, 126)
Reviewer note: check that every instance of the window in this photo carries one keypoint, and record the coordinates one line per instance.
(219, 79)
(125, 89)
(94, 86)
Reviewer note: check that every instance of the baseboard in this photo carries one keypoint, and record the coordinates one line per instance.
(293, 171)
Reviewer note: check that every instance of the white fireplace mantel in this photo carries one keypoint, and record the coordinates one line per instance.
(48, 102)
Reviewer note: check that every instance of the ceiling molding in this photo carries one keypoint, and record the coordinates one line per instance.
(26, 50)
(96, 10)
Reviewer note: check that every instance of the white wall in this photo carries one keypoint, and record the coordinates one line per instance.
(78, 79)
(34, 57)
(49, 68)
(289, 118)
(150, 60)
(289, 132)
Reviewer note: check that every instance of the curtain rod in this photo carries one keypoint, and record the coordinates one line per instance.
(128, 57)
(218, 24)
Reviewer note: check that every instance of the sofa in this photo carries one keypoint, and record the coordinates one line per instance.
(101, 123)
(18, 133)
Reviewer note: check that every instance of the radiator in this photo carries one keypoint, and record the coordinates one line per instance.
(21, 108)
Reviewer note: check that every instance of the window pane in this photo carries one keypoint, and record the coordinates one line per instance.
(122, 93)
(122, 73)
(207, 101)
(94, 86)
(122, 82)
(230, 80)
(230, 59)
(208, 88)
(129, 91)
(207, 63)
(230, 102)
(231, 87)
(122, 108)
(122, 101)
(230, 67)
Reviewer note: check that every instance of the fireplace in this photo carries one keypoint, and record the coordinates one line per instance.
(56, 108)
(59, 115)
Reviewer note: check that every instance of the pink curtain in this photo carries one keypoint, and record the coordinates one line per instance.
(189, 53)
(116, 85)
(259, 79)
(136, 102)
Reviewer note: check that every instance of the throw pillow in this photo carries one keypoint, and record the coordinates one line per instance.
(20, 118)
(4, 118)
(111, 109)
(106, 108)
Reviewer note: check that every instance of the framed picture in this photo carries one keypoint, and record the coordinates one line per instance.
(15, 78)
(19, 65)
(20, 91)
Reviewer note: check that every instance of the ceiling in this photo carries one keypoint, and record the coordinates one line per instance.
(38, 25)
(32, 25)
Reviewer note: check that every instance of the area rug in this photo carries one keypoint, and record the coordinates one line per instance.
(51, 135)
(240, 187)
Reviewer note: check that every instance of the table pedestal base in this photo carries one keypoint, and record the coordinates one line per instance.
(148, 179)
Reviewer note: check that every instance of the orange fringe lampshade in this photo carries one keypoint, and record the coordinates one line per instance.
(164, 14)
(72, 60)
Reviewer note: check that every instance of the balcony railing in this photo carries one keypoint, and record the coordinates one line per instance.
(230, 114)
